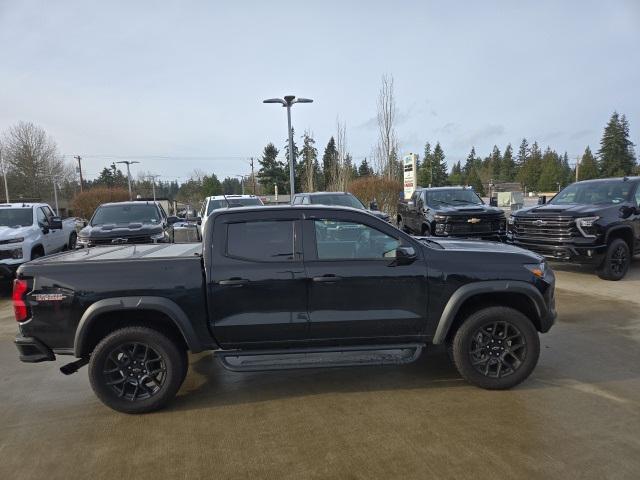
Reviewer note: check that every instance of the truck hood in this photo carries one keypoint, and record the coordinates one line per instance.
(478, 247)
(116, 231)
(571, 210)
(466, 210)
(9, 233)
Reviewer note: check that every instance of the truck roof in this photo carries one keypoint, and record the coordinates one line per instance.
(451, 187)
(271, 208)
(620, 179)
(223, 197)
(322, 193)
(130, 202)
(23, 205)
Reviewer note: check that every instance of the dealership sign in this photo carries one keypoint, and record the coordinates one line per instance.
(410, 174)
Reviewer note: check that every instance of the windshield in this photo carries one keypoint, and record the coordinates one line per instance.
(231, 203)
(125, 214)
(453, 197)
(337, 200)
(16, 217)
(591, 193)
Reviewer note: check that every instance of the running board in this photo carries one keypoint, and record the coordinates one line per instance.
(320, 357)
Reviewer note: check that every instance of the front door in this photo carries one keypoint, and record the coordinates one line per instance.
(257, 286)
(357, 291)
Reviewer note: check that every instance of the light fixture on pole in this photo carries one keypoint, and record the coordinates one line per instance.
(128, 164)
(287, 102)
(153, 184)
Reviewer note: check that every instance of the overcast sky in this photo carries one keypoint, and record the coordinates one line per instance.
(178, 85)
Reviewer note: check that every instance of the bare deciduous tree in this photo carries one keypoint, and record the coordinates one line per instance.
(386, 150)
(342, 174)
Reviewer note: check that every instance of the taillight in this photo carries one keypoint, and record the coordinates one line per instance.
(20, 288)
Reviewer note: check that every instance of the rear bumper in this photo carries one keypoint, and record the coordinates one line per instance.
(33, 350)
(566, 252)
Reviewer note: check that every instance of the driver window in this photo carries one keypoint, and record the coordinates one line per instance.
(41, 217)
(339, 240)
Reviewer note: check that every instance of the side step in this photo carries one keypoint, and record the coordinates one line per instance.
(319, 357)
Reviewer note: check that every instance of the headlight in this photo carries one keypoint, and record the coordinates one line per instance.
(17, 253)
(157, 237)
(439, 218)
(537, 269)
(586, 225)
(510, 220)
(12, 240)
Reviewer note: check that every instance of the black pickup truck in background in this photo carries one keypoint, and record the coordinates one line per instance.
(590, 222)
(283, 287)
(450, 212)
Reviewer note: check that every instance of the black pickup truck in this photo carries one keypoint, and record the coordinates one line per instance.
(283, 287)
(450, 212)
(593, 222)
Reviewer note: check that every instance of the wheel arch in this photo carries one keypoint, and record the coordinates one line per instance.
(518, 295)
(624, 232)
(108, 315)
(36, 247)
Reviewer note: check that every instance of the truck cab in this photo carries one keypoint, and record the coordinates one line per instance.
(31, 230)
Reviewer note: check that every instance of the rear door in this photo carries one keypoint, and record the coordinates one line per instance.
(257, 285)
(357, 291)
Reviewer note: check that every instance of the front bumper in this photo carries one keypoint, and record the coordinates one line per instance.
(564, 252)
(33, 350)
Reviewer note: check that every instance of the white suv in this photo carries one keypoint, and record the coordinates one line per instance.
(226, 201)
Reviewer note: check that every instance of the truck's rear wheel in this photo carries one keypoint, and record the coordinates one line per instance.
(616, 261)
(496, 348)
(73, 238)
(137, 370)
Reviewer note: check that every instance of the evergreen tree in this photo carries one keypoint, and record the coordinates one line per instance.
(507, 166)
(473, 179)
(455, 177)
(424, 173)
(330, 164)
(231, 186)
(617, 156)
(567, 173)
(588, 168)
(310, 170)
(364, 169)
(521, 158)
(439, 167)
(495, 164)
(550, 172)
(272, 172)
(211, 186)
(529, 172)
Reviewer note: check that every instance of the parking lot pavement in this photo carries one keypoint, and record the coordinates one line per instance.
(577, 417)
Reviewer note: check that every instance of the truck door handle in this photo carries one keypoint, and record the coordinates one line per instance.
(327, 278)
(234, 281)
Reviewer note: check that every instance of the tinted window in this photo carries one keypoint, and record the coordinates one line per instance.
(126, 214)
(337, 240)
(16, 217)
(232, 202)
(264, 241)
(605, 192)
(337, 200)
(41, 217)
(297, 200)
(638, 195)
(456, 196)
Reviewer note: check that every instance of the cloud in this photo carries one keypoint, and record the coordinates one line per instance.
(476, 136)
(581, 134)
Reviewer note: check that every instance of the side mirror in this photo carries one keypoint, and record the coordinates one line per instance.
(373, 205)
(405, 255)
(542, 200)
(172, 219)
(55, 223)
(493, 201)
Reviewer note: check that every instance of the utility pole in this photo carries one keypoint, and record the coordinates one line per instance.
(577, 167)
(253, 177)
(79, 158)
(128, 163)
(55, 196)
(4, 174)
(153, 183)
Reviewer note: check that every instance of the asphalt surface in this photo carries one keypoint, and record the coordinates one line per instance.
(578, 416)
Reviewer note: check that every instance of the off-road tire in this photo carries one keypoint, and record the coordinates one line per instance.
(616, 261)
(475, 327)
(173, 359)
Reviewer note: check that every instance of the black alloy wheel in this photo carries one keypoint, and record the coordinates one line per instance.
(616, 261)
(497, 349)
(134, 371)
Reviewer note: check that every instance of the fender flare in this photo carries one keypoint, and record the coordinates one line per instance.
(617, 228)
(159, 304)
(471, 289)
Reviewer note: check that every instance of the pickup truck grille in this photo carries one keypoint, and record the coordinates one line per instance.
(487, 225)
(110, 241)
(544, 228)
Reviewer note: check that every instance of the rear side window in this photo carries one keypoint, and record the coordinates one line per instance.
(262, 241)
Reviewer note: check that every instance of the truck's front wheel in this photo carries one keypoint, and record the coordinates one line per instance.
(616, 261)
(137, 370)
(496, 348)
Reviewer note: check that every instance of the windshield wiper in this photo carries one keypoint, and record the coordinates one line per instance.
(443, 202)
(466, 202)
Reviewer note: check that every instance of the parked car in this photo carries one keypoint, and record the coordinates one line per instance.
(450, 212)
(216, 202)
(593, 222)
(31, 230)
(127, 222)
(337, 199)
(283, 287)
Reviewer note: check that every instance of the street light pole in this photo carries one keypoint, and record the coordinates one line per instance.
(128, 164)
(153, 185)
(287, 102)
(4, 174)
